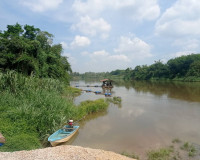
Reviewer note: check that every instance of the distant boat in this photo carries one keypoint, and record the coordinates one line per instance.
(62, 135)
(107, 83)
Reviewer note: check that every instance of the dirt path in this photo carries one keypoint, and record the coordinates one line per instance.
(65, 152)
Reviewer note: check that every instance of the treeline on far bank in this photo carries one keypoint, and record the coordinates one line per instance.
(183, 68)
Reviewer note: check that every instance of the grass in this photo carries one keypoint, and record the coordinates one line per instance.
(190, 148)
(88, 107)
(132, 155)
(176, 140)
(114, 100)
(177, 151)
(31, 109)
(161, 154)
(71, 91)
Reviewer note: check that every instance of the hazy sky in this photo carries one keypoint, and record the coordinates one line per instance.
(104, 35)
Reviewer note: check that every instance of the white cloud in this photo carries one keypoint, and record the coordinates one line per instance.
(178, 54)
(80, 41)
(182, 19)
(41, 5)
(100, 53)
(134, 48)
(187, 44)
(137, 9)
(72, 60)
(103, 61)
(183, 53)
(119, 57)
(93, 27)
(129, 50)
(64, 45)
(105, 56)
(85, 53)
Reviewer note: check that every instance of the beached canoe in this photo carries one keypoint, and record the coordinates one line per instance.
(62, 135)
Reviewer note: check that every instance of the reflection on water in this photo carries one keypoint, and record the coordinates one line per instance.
(179, 90)
(151, 115)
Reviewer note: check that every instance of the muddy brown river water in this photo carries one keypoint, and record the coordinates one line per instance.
(150, 116)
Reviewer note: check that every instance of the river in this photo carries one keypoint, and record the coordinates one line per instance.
(150, 116)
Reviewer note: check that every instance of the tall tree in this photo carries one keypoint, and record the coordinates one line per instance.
(31, 51)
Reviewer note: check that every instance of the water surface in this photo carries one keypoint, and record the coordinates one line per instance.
(151, 116)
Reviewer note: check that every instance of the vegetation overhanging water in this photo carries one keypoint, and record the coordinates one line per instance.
(31, 109)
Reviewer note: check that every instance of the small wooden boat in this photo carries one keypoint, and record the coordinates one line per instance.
(62, 135)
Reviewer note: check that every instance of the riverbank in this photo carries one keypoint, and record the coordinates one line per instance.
(65, 152)
(31, 109)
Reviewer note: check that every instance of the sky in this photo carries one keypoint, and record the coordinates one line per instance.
(105, 35)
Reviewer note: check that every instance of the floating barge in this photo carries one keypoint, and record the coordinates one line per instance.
(107, 83)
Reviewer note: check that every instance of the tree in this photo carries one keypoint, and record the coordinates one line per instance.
(127, 74)
(179, 66)
(158, 70)
(140, 72)
(194, 69)
(29, 50)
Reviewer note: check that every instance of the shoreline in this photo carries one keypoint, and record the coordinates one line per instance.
(64, 152)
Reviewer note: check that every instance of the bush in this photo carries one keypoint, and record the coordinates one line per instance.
(88, 107)
(161, 154)
(31, 109)
(21, 142)
(190, 148)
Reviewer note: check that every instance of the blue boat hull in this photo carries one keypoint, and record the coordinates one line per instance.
(62, 135)
(1, 144)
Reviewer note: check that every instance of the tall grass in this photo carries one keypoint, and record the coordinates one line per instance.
(161, 154)
(31, 109)
(89, 107)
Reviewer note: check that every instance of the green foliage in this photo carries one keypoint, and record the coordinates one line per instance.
(117, 74)
(21, 142)
(158, 70)
(190, 148)
(32, 108)
(184, 68)
(179, 66)
(127, 74)
(132, 155)
(72, 91)
(176, 140)
(15, 83)
(194, 69)
(88, 107)
(185, 146)
(30, 51)
(32, 103)
(140, 72)
(19, 135)
(114, 100)
(161, 154)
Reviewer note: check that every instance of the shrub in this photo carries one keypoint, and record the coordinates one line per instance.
(31, 109)
(161, 154)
